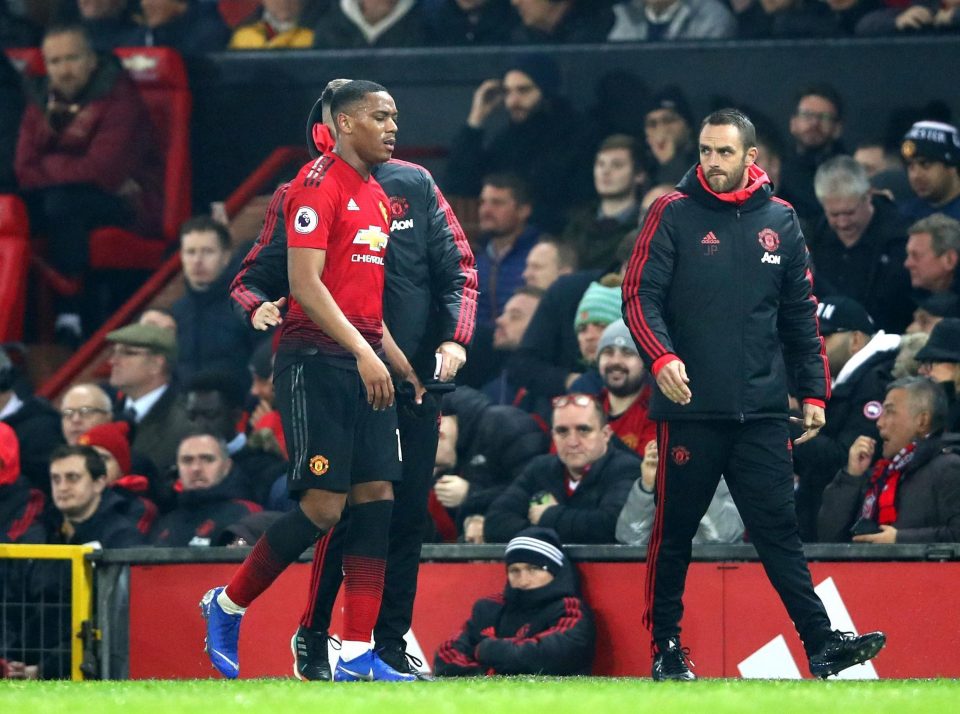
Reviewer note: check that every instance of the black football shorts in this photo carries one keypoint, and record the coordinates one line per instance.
(334, 438)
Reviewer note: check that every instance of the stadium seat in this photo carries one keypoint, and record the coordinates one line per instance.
(161, 76)
(235, 12)
(14, 259)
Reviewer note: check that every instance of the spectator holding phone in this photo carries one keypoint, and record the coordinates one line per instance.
(912, 493)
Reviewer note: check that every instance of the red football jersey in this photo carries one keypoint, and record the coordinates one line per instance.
(329, 206)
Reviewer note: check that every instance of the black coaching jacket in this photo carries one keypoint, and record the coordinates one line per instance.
(430, 295)
(722, 281)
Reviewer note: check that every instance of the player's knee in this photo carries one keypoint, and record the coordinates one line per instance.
(371, 491)
(322, 508)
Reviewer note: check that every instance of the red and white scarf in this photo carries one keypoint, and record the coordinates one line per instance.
(880, 501)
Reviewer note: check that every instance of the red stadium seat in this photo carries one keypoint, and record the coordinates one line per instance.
(162, 79)
(14, 261)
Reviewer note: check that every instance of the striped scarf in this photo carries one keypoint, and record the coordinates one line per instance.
(879, 503)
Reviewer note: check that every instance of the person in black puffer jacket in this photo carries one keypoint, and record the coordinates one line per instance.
(538, 625)
(209, 494)
(483, 448)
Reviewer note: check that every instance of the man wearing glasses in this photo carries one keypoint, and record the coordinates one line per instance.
(579, 491)
(83, 407)
(140, 367)
(816, 126)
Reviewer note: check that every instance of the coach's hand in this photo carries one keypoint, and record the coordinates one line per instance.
(813, 421)
(376, 380)
(672, 380)
(453, 357)
(268, 314)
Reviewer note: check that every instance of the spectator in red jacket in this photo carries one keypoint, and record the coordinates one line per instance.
(86, 155)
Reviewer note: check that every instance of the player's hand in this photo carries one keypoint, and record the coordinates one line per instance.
(672, 380)
(268, 314)
(913, 18)
(813, 421)
(376, 380)
(648, 469)
(887, 534)
(860, 455)
(486, 98)
(452, 357)
(451, 490)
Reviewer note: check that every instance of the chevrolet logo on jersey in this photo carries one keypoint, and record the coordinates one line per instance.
(372, 237)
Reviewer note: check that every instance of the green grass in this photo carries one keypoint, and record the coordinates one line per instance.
(522, 695)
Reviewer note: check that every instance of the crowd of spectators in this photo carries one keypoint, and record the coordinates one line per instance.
(198, 26)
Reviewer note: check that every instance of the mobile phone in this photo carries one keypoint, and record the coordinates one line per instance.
(865, 526)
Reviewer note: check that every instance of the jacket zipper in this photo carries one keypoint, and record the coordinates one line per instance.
(740, 284)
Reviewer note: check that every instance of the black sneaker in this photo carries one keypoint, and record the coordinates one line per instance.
(403, 662)
(845, 649)
(671, 661)
(310, 659)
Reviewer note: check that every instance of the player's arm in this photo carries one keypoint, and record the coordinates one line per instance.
(304, 267)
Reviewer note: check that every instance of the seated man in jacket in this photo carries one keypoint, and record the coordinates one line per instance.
(912, 493)
(209, 494)
(539, 625)
(482, 448)
(85, 511)
(579, 491)
(86, 155)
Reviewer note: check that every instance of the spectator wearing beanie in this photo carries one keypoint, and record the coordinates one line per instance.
(939, 360)
(931, 150)
(112, 442)
(599, 306)
(559, 173)
(538, 625)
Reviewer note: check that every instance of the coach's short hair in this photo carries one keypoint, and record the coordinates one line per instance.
(734, 117)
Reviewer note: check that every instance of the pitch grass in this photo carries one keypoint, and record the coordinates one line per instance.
(521, 695)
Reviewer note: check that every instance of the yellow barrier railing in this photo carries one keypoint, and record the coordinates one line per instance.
(81, 590)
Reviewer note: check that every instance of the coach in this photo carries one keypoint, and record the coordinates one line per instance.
(719, 286)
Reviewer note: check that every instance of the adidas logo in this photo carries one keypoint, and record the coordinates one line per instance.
(352, 205)
(710, 239)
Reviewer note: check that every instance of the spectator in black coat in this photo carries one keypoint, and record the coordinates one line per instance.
(562, 21)
(939, 360)
(859, 246)
(481, 450)
(353, 24)
(191, 27)
(85, 511)
(36, 423)
(861, 360)
(580, 491)
(11, 111)
(539, 625)
(209, 498)
(468, 22)
(558, 172)
(109, 22)
(208, 335)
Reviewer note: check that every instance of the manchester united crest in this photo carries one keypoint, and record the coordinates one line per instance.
(398, 207)
(769, 240)
(680, 455)
(319, 465)
(908, 149)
